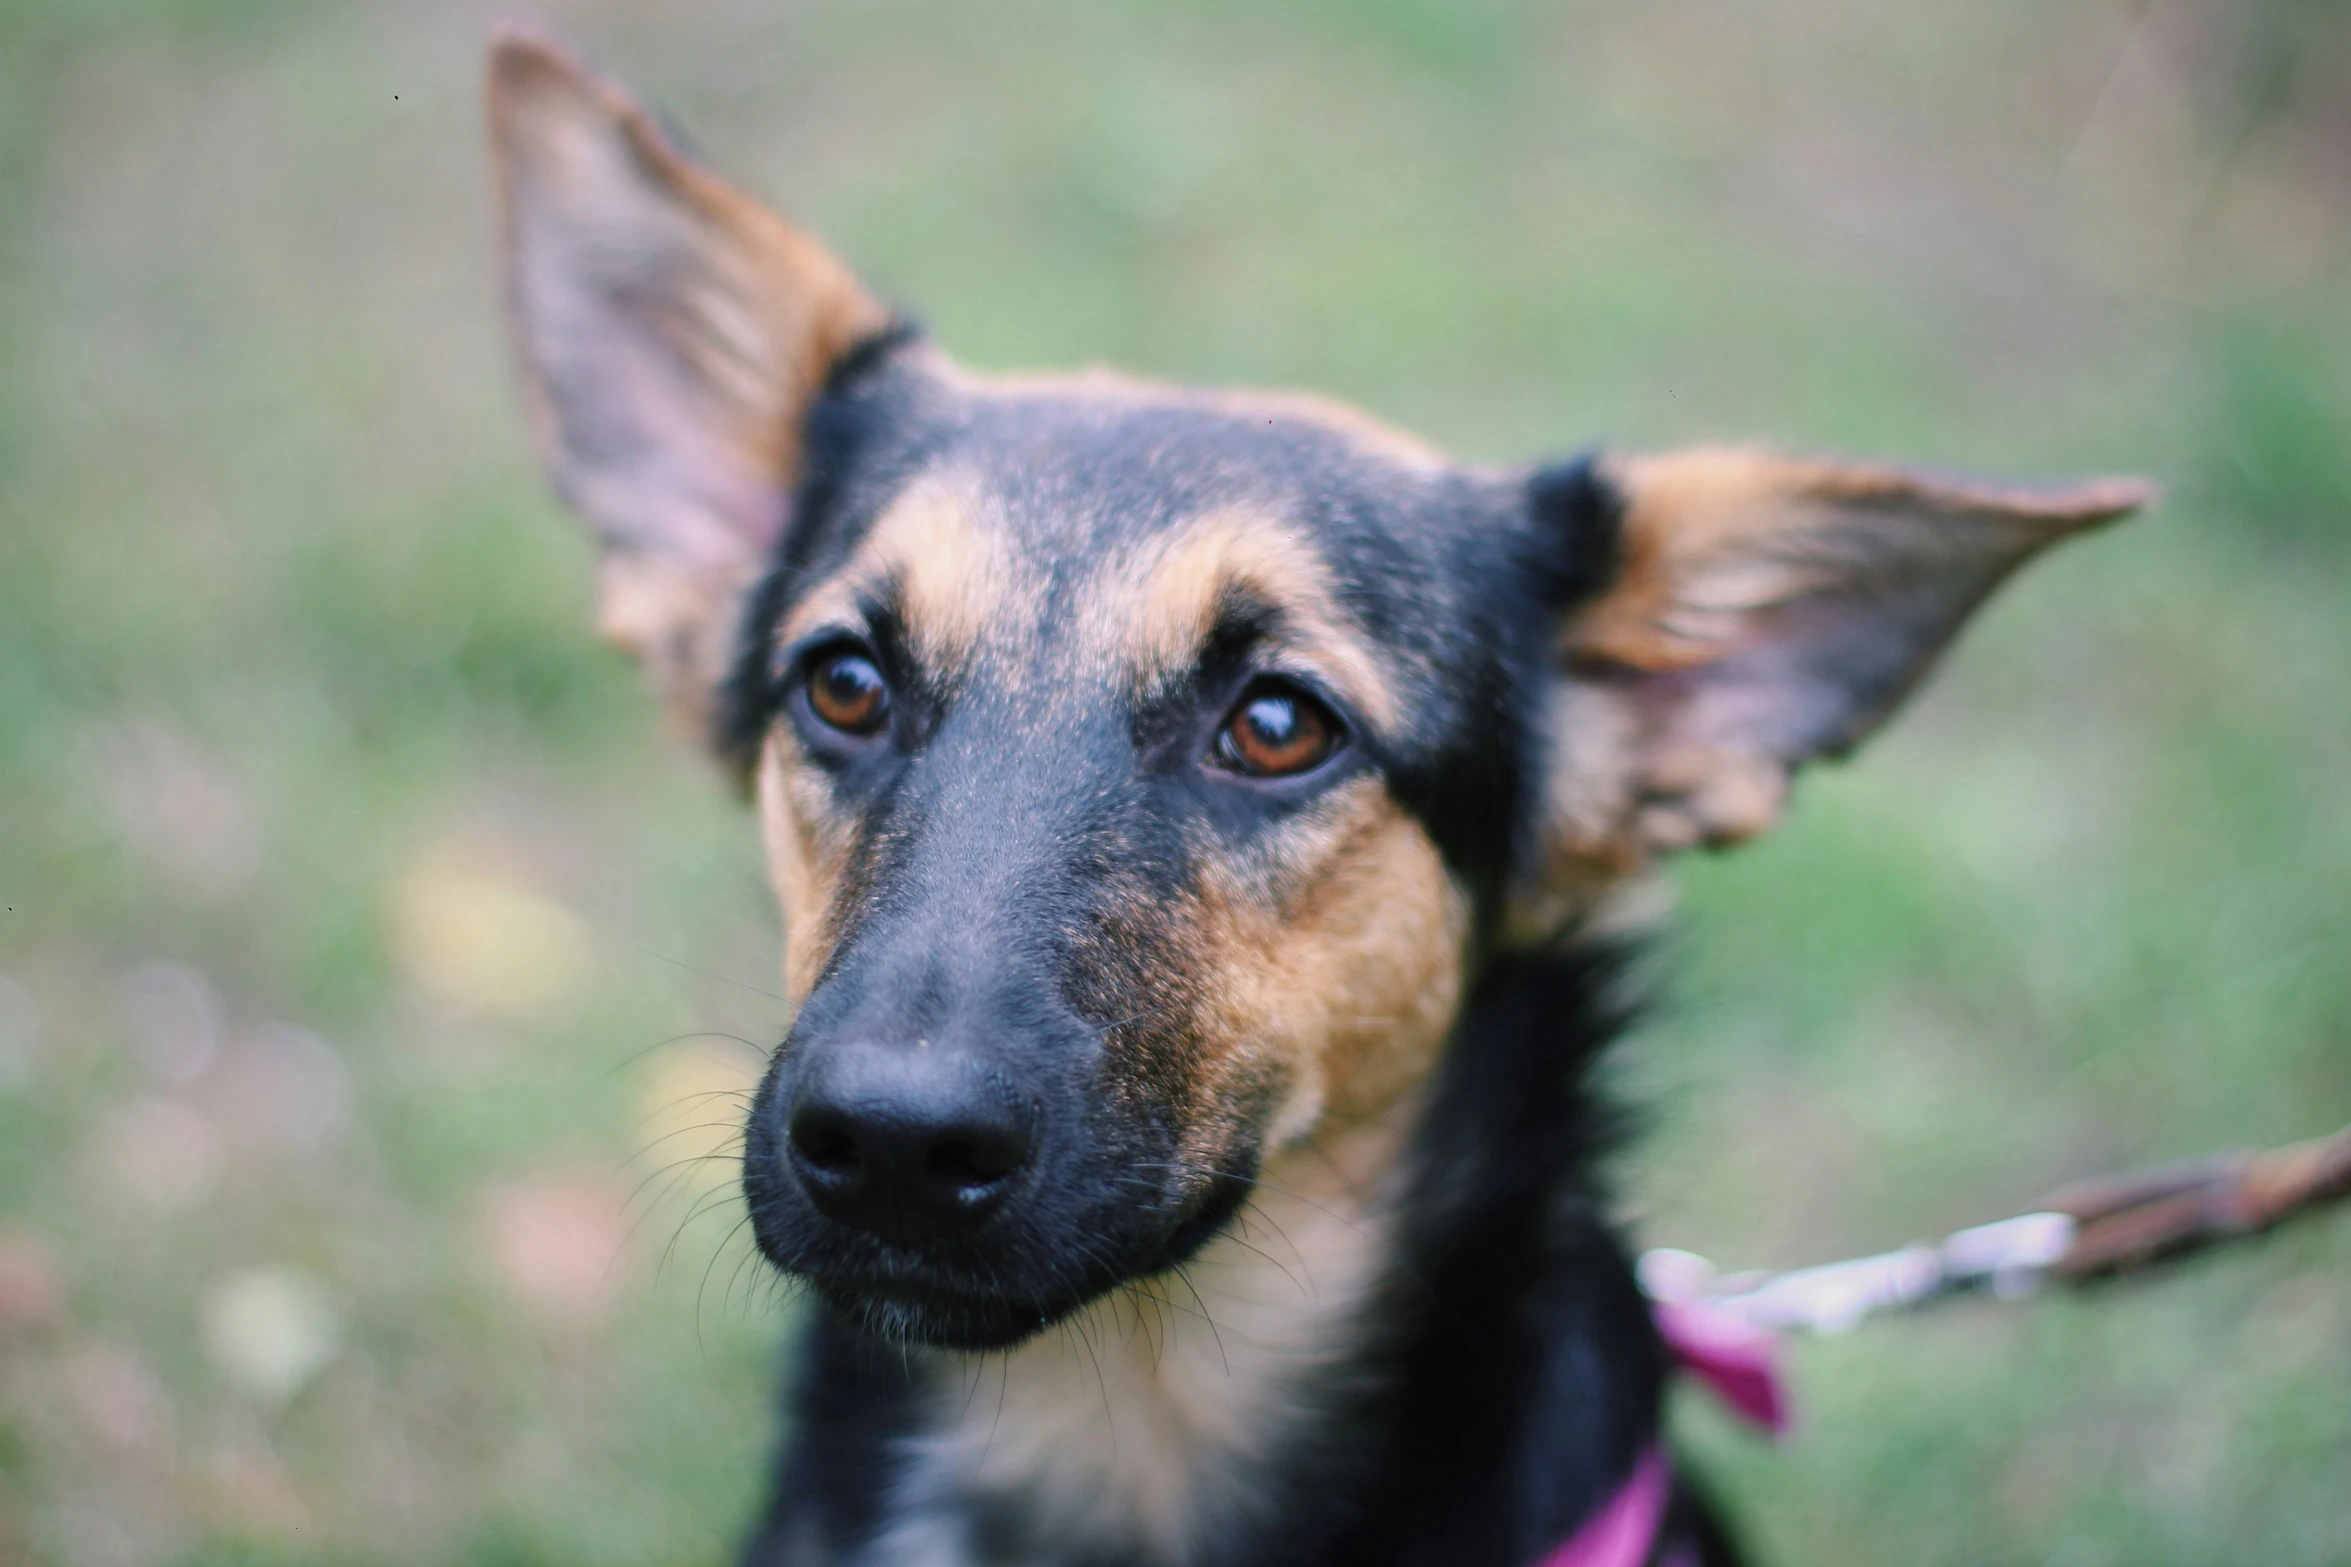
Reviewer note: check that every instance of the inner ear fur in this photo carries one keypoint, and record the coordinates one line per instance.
(672, 333)
(1765, 611)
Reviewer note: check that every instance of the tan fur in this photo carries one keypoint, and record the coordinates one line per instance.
(1147, 1417)
(953, 574)
(957, 579)
(1153, 610)
(807, 856)
(1333, 965)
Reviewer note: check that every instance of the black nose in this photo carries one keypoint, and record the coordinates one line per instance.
(909, 1144)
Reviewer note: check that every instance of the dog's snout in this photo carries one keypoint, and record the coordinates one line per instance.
(908, 1144)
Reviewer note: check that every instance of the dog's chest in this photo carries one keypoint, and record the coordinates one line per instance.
(1147, 1429)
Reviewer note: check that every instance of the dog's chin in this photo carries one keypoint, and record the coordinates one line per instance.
(938, 1313)
(931, 1319)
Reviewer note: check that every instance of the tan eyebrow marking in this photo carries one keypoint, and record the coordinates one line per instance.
(939, 556)
(1158, 607)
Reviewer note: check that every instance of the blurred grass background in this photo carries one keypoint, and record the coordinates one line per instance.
(364, 943)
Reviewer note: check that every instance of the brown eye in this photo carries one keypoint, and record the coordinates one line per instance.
(847, 692)
(1277, 733)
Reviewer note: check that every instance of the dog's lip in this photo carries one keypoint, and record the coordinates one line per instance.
(902, 1277)
(966, 1292)
(969, 1270)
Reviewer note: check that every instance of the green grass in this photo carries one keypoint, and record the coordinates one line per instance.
(293, 647)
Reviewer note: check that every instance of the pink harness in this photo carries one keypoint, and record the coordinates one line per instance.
(1733, 1360)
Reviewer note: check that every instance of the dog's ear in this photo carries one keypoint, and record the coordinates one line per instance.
(672, 333)
(1762, 612)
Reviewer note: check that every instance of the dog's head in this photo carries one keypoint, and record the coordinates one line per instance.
(1145, 772)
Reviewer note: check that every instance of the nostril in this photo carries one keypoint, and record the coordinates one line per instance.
(826, 1146)
(907, 1148)
(968, 1166)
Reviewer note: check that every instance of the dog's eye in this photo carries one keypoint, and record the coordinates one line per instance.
(848, 692)
(1278, 731)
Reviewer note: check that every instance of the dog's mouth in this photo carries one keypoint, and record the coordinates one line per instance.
(986, 1298)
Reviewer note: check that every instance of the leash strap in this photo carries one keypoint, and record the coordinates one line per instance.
(2091, 1230)
(2128, 1221)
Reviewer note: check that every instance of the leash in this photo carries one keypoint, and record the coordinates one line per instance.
(1724, 1329)
(2091, 1230)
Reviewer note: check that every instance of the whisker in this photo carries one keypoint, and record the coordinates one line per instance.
(628, 1061)
(731, 1151)
(1109, 1421)
(1184, 1273)
(714, 1200)
(723, 979)
(699, 1126)
(716, 1252)
(657, 1112)
(735, 1279)
(677, 1179)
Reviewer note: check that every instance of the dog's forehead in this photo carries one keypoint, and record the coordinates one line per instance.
(1095, 532)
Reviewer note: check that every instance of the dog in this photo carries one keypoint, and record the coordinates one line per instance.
(1208, 827)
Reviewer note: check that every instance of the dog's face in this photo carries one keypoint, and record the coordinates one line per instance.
(1131, 788)
(1146, 773)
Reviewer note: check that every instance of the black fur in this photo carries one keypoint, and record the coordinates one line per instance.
(1577, 544)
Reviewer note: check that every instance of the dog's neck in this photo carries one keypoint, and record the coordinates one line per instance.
(1147, 1425)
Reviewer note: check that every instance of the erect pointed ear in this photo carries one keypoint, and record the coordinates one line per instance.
(672, 334)
(1763, 612)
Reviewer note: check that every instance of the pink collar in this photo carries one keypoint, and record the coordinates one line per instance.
(1624, 1531)
(1736, 1362)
